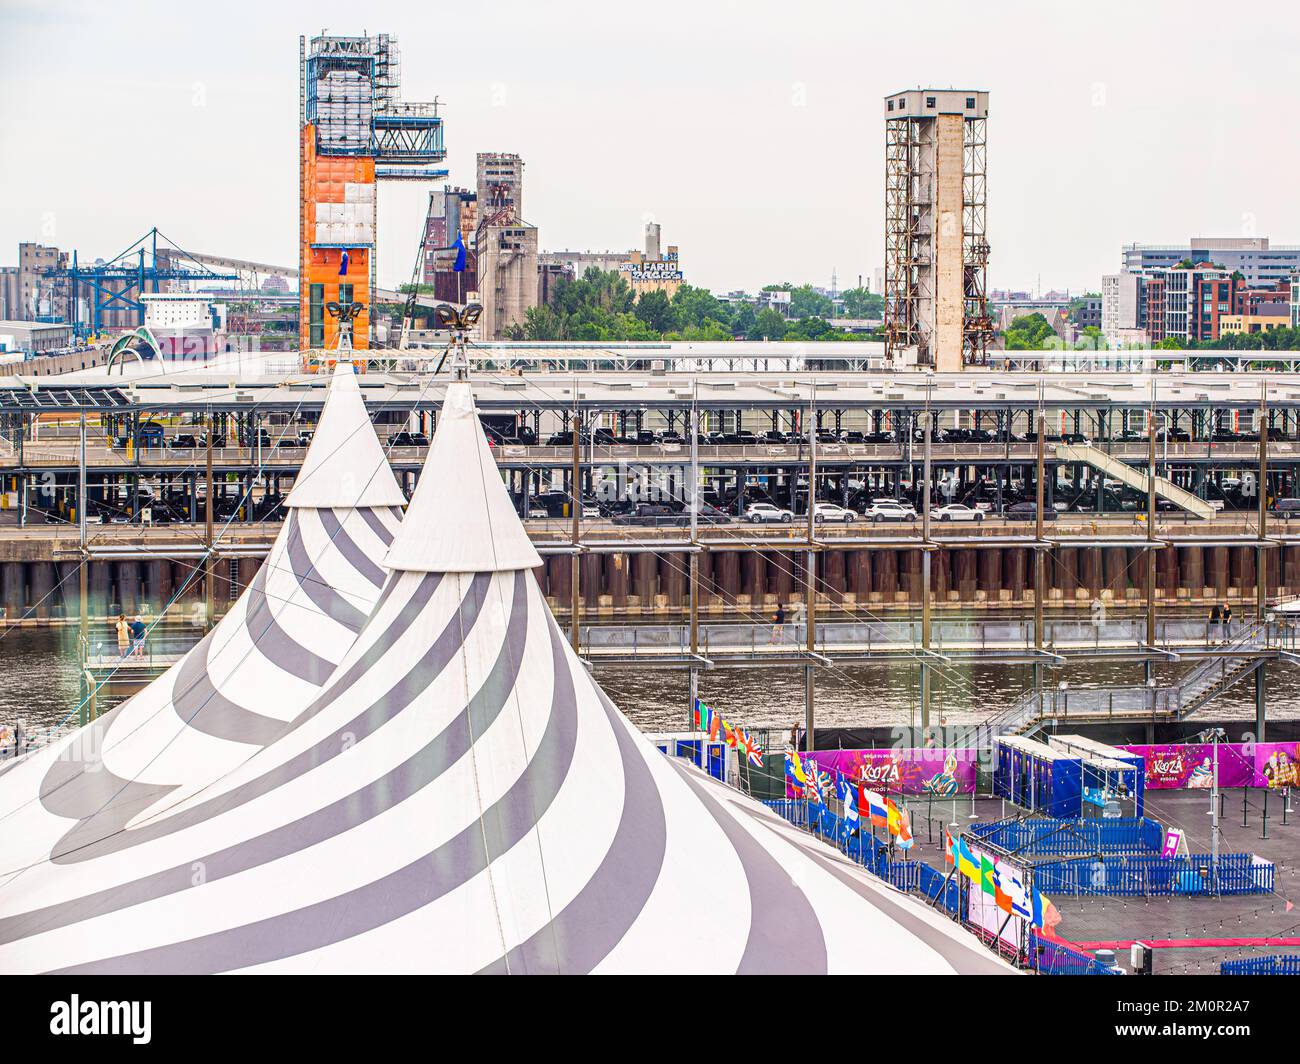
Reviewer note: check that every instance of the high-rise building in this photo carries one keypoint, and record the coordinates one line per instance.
(936, 253)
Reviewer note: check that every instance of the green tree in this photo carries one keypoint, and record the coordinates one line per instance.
(768, 325)
(859, 303)
(1029, 332)
(656, 311)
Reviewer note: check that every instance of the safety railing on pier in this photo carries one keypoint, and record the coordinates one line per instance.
(1234, 660)
(1051, 957)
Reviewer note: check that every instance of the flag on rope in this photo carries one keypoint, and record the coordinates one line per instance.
(877, 812)
(904, 829)
(343, 264)
(1044, 913)
(849, 796)
(894, 821)
(986, 875)
(966, 863)
(752, 751)
(1012, 885)
(459, 248)
(949, 856)
(703, 716)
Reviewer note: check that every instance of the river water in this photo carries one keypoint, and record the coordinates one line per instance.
(39, 684)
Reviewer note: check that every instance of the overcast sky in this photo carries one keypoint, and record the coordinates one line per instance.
(752, 131)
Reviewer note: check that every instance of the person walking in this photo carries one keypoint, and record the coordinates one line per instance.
(123, 635)
(1216, 618)
(778, 623)
(1227, 622)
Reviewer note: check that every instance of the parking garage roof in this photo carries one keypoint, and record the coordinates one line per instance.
(506, 390)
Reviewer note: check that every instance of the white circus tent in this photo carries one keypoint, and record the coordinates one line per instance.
(208, 712)
(462, 797)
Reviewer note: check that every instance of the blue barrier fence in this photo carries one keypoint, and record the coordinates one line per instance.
(1138, 875)
(1054, 958)
(872, 853)
(1287, 964)
(1047, 837)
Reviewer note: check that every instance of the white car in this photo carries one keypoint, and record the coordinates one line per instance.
(889, 510)
(538, 513)
(828, 511)
(765, 513)
(956, 511)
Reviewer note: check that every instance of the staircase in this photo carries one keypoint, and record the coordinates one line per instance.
(1134, 478)
(1033, 709)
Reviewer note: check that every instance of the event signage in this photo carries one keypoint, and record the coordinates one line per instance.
(930, 772)
(1190, 766)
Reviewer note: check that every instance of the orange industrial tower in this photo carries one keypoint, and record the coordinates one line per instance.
(354, 132)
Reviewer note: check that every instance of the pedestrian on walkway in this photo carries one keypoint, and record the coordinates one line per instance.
(1227, 622)
(1216, 618)
(778, 624)
(137, 637)
(123, 635)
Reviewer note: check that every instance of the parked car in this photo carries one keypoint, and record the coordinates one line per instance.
(956, 511)
(1027, 511)
(828, 511)
(1287, 508)
(408, 439)
(889, 510)
(185, 440)
(765, 513)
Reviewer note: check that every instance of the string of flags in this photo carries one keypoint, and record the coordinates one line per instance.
(710, 721)
(1002, 881)
(809, 782)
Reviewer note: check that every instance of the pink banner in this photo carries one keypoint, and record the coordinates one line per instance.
(935, 773)
(1191, 765)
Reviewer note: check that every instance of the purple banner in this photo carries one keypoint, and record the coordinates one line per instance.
(933, 772)
(1191, 765)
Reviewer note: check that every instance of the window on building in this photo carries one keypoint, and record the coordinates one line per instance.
(890, 105)
(929, 101)
(970, 101)
(316, 316)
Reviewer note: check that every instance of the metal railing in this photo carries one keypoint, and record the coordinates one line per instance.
(1283, 964)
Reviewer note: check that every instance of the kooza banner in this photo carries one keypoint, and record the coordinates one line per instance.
(1191, 765)
(933, 772)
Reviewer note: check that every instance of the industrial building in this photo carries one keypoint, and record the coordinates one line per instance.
(506, 245)
(355, 130)
(33, 337)
(936, 252)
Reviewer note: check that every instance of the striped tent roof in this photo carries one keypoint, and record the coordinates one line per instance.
(462, 797)
(282, 638)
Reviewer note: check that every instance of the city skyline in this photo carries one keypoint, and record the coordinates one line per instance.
(759, 154)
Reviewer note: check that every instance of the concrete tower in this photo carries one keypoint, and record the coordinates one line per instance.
(936, 254)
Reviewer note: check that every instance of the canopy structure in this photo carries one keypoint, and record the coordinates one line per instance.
(250, 676)
(462, 797)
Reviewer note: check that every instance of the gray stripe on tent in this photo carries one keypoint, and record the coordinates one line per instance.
(595, 921)
(965, 960)
(323, 751)
(85, 790)
(345, 545)
(376, 523)
(274, 643)
(419, 883)
(785, 936)
(200, 705)
(344, 814)
(329, 601)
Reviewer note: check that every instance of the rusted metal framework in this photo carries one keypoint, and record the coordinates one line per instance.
(977, 326)
(906, 246)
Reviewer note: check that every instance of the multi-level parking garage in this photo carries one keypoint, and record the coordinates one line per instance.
(1213, 440)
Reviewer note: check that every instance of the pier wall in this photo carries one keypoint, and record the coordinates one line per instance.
(731, 582)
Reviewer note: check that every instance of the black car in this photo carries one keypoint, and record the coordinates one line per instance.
(408, 439)
(1287, 508)
(1028, 511)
